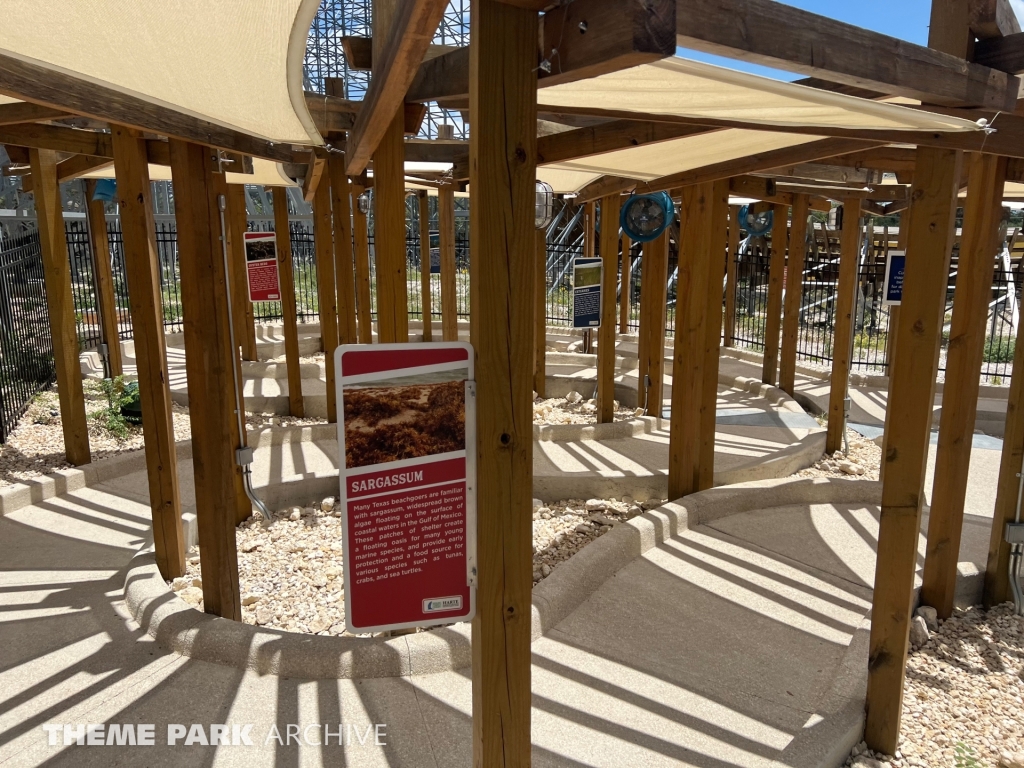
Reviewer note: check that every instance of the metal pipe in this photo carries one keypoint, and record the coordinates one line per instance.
(1018, 596)
(243, 456)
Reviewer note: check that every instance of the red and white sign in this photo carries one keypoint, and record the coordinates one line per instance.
(261, 266)
(408, 484)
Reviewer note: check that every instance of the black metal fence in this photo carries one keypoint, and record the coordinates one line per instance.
(26, 348)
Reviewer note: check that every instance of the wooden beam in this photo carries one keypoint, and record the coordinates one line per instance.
(27, 112)
(618, 134)
(60, 306)
(105, 294)
(540, 317)
(410, 32)
(626, 284)
(389, 234)
(604, 186)
(979, 246)
(289, 312)
(425, 297)
(142, 269)
(323, 245)
(359, 52)
(1003, 53)
(606, 332)
(794, 294)
(853, 56)
(729, 327)
(773, 311)
(842, 344)
(436, 150)
(244, 316)
(503, 148)
(331, 114)
(992, 18)
(57, 138)
(653, 289)
(360, 238)
(442, 77)
(911, 395)
(344, 263)
(314, 171)
(888, 159)
(831, 172)
(446, 231)
(212, 369)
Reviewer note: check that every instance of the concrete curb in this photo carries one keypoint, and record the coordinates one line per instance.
(564, 433)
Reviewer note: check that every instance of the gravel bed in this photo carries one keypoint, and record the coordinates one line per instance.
(963, 704)
(862, 463)
(575, 409)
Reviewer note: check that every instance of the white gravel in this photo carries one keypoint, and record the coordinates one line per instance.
(862, 463)
(573, 409)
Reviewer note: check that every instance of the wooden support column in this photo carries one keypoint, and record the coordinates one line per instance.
(773, 312)
(729, 329)
(323, 243)
(211, 365)
(341, 204)
(60, 305)
(911, 393)
(794, 293)
(979, 245)
(589, 236)
(688, 359)
(626, 283)
(425, 297)
(540, 325)
(286, 269)
(606, 331)
(105, 294)
(716, 222)
(245, 318)
(446, 230)
(364, 302)
(389, 235)
(503, 148)
(142, 269)
(653, 290)
(842, 338)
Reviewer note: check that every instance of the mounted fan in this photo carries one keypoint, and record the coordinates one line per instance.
(644, 217)
(756, 225)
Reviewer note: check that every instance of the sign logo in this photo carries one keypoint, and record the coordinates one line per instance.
(438, 604)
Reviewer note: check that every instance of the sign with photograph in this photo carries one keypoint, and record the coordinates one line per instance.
(586, 293)
(408, 483)
(261, 266)
(894, 278)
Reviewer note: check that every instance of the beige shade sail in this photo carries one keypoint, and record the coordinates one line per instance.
(264, 174)
(236, 63)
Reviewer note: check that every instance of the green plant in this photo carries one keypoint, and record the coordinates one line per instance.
(120, 396)
(999, 351)
(965, 756)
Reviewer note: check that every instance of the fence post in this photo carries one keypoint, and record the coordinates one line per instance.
(285, 267)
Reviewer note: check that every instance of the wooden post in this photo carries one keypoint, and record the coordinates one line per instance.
(323, 244)
(106, 297)
(291, 323)
(341, 203)
(606, 331)
(716, 222)
(842, 340)
(60, 305)
(589, 235)
(364, 307)
(626, 286)
(502, 151)
(978, 248)
(911, 393)
(890, 346)
(729, 329)
(653, 290)
(794, 293)
(773, 312)
(389, 235)
(245, 318)
(446, 230)
(212, 366)
(425, 298)
(142, 269)
(688, 359)
(540, 326)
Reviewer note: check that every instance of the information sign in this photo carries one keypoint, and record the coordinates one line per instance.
(894, 278)
(261, 266)
(586, 293)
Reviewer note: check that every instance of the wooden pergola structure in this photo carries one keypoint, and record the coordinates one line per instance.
(63, 122)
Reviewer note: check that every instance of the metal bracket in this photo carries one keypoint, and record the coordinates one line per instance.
(1014, 533)
(244, 456)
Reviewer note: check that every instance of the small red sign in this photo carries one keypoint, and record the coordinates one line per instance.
(407, 484)
(261, 266)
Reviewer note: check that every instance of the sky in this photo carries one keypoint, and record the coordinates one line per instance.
(905, 19)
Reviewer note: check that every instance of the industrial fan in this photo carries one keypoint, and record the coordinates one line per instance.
(756, 224)
(644, 217)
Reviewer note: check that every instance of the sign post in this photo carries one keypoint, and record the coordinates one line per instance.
(408, 484)
(261, 266)
(586, 292)
(894, 278)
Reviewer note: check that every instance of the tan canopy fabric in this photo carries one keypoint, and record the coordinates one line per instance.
(236, 63)
(264, 174)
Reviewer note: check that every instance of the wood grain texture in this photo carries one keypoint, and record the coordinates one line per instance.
(344, 263)
(979, 245)
(1003, 53)
(389, 236)
(911, 394)
(653, 290)
(606, 332)
(503, 147)
(105, 298)
(773, 311)
(286, 270)
(57, 138)
(729, 329)
(625, 283)
(608, 137)
(842, 337)
(446, 230)
(60, 306)
(142, 269)
(220, 498)
(794, 294)
(425, 292)
(323, 244)
(361, 241)
(540, 316)
(245, 317)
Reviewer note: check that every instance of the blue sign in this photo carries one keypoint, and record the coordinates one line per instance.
(586, 293)
(894, 268)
